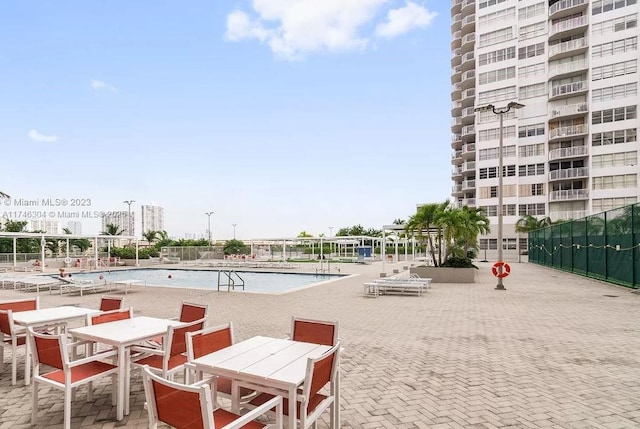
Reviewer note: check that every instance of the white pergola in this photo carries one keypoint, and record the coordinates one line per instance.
(43, 236)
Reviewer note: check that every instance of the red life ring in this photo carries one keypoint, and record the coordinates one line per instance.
(506, 269)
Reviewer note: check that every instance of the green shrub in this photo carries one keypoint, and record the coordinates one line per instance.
(455, 262)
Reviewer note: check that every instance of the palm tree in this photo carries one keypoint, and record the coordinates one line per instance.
(111, 229)
(3, 195)
(150, 236)
(472, 223)
(427, 217)
(529, 223)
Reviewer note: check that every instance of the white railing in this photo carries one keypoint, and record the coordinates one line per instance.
(568, 110)
(570, 194)
(468, 57)
(457, 154)
(569, 173)
(456, 2)
(565, 4)
(469, 165)
(469, 129)
(466, 3)
(456, 121)
(569, 88)
(469, 202)
(468, 111)
(568, 67)
(456, 104)
(455, 53)
(577, 214)
(469, 38)
(456, 188)
(456, 137)
(469, 19)
(573, 130)
(471, 147)
(456, 18)
(468, 184)
(469, 74)
(456, 171)
(568, 46)
(569, 24)
(568, 152)
(471, 92)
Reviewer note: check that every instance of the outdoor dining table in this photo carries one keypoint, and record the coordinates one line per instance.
(123, 334)
(47, 317)
(271, 362)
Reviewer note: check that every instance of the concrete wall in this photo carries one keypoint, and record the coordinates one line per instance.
(446, 274)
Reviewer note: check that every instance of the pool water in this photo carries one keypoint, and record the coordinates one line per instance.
(208, 279)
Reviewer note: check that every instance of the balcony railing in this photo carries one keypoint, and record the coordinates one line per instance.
(469, 166)
(455, 53)
(456, 171)
(469, 74)
(468, 111)
(471, 92)
(467, 57)
(574, 130)
(456, 104)
(468, 184)
(456, 18)
(569, 173)
(469, 38)
(456, 189)
(469, 19)
(569, 88)
(466, 3)
(568, 152)
(577, 214)
(469, 202)
(565, 4)
(568, 110)
(570, 194)
(569, 46)
(456, 121)
(568, 67)
(471, 147)
(569, 24)
(469, 129)
(456, 137)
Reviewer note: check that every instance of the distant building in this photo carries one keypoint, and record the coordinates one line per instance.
(46, 225)
(194, 236)
(121, 220)
(152, 218)
(75, 227)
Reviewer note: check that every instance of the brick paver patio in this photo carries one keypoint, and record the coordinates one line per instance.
(553, 351)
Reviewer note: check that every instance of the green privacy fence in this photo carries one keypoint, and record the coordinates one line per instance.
(605, 246)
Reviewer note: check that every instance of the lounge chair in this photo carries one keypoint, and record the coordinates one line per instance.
(81, 286)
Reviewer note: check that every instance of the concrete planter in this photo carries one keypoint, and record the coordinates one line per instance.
(141, 262)
(446, 274)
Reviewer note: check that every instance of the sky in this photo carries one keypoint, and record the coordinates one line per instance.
(280, 116)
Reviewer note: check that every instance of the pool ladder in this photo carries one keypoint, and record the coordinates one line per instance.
(230, 279)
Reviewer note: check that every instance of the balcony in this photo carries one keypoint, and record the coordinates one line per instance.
(569, 26)
(456, 172)
(569, 152)
(469, 202)
(469, 151)
(468, 21)
(468, 61)
(572, 131)
(577, 214)
(567, 69)
(570, 110)
(468, 113)
(469, 93)
(569, 173)
(470, 4)
(566, 7)
(468, 40)
(456, 22)
(569, 48)
(456, 158)
(468, 79)
(469, 129)
(456, 189)
(468, 184)
(569, 89)
(469, 166)
(568, 195)
(456, 121)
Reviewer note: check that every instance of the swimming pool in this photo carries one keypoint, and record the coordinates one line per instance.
(208, 279)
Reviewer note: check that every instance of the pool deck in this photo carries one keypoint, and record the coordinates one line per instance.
(552, 351)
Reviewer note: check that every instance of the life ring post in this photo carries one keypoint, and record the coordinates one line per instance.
(501, 270)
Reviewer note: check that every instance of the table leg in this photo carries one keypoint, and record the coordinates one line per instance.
(292, 407)
(121, 386)
(235, 397)
(127, 381)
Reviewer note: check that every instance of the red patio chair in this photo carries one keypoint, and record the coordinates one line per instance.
(311, 402)
(190, 407)
(314, 331)
(108, 303)
(11, 337)
(53, 351)
(25, 304)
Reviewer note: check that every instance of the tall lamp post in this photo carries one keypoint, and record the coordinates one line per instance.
(331, 242)
(234, 230)
(500, 112)
(209, 230)
(129, 226)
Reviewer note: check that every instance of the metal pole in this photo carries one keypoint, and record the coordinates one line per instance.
(209, 229)
(129, 226)
(500, 286)
(234, 230)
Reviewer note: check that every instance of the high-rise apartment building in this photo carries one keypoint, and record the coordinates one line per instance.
(121, 220)
(572, 150)
(152, 218)
(45, 225)
(75, 227)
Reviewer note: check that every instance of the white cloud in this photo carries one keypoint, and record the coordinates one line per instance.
(37, 137)
(404, 19)
(99, 85)
(292, 28)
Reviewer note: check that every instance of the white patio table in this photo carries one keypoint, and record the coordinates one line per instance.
(126, 284)
(122, 334)
(46, 317)
(272, 362)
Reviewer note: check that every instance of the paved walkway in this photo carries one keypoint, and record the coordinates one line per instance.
(553, 351)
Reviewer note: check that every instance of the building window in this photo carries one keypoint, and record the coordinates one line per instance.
(496, 36)
(615, 182)
(615, 92)
(531, 51)
(531, 170)
(602, 6)
(533, 30)
(497, 56)
(494, 133)
(615, 25)
(493, 192)
(486, 3)
(531, 130)
(531, 209)
(535, 90)
(488, 173)
(531, 11)
(501, 15)
(614, 115)
(492, 153)
(531, 71)
(614, 137)
(497, 75)
(604, 204)
(509, 244)
(613, 70)
(488, 244)
(618, 159)
(615, 47)
(531, 150)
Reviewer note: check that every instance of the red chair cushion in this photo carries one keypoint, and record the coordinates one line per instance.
(80, 372)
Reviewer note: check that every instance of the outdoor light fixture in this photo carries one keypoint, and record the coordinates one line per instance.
(209, 230)
(500, 112)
